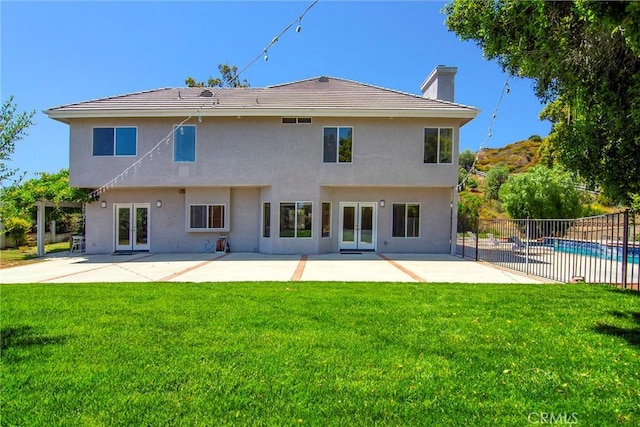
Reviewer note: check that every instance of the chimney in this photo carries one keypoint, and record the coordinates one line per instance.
(440, 83)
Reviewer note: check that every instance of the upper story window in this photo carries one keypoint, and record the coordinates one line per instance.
(298, 120)
(115, 141)
(438, 145)
(338, 144)
(184, 143)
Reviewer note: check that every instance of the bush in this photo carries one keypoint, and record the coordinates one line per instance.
(17, 228)
(541, 193)
(472, 183)
(468, 212)
(496, 176)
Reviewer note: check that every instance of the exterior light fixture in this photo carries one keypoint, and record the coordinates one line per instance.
(103, 204)
(158, 203)
(382, 203)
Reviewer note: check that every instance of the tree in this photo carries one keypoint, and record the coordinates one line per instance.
(466, 159)
(229, 78)
(496, 176)
(541, 193)
(19, 200)
(584, 58)
(12, 129)
(468, 212)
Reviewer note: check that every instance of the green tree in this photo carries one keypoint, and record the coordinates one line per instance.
(466, 159)
(469, 206)
(229, 78)
(19, 200)
(584, 57)
(541, 193)
(13, 128)
(496, 176)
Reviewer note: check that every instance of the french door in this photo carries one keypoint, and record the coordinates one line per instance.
(358, 226)
(132, 226)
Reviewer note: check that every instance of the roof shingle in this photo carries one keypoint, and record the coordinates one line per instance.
(319, 95)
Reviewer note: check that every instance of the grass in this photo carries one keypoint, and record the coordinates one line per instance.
(318, 354)
(27, 255)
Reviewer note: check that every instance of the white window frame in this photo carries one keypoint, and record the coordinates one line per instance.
(295, 223)
(176, 128)
(264, 219)
(406, 219)
(322, 219)
(225, 218)
(338, 162)
(438, 162)
(115, 140)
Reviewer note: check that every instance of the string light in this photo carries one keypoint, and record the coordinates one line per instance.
(215, 100)
(505, 91)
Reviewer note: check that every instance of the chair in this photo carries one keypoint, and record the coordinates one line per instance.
(222, 245)
(77, 244)
(518, 246)
(472, 236)
(493, 239)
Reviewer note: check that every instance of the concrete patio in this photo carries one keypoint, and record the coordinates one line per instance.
(233, 267)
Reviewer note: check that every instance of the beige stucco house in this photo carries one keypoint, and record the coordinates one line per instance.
(314, 166)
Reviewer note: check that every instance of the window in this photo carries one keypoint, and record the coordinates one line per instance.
(294, 120)
(338, 144)
(406, 220)
(266, 219)
(438, 145)
(210, 217)
(115, 141)
(295, 219)
(326, 219)
(184, 143)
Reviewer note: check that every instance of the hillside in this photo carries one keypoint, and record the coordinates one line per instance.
(517, 157)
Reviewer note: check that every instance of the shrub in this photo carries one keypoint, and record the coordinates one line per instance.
(17, 228)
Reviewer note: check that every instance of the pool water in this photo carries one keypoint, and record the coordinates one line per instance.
(593, 249)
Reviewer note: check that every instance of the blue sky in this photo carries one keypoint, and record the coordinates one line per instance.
(55, 53)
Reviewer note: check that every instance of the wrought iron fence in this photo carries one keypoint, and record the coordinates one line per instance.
(600, 249)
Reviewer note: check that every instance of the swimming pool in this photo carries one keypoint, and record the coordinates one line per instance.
(594, 249)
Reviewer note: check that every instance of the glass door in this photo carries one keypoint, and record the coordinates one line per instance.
(357, 226)
(132, 226)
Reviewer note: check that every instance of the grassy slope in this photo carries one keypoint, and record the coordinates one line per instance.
(317, 354)
(517, 157)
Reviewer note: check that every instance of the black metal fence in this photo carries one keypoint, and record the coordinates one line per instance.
(600, 249)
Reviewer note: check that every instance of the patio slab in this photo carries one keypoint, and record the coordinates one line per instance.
(233, 267)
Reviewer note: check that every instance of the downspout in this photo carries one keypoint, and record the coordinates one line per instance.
(454, 219)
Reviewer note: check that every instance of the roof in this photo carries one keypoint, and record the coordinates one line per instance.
(318, 96)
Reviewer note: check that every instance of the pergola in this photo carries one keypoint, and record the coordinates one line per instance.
(42, 204)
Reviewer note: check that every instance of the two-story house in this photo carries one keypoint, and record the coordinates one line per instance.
(314, 166)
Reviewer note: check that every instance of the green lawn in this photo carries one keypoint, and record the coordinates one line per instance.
(318, 354)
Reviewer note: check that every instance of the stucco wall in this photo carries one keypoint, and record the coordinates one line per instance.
(264, 152)
(168, 231)
(243, 162)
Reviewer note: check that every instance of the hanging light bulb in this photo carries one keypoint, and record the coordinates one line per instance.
(299, 27)
(181, 130)
(199, 117)
(266, 55)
